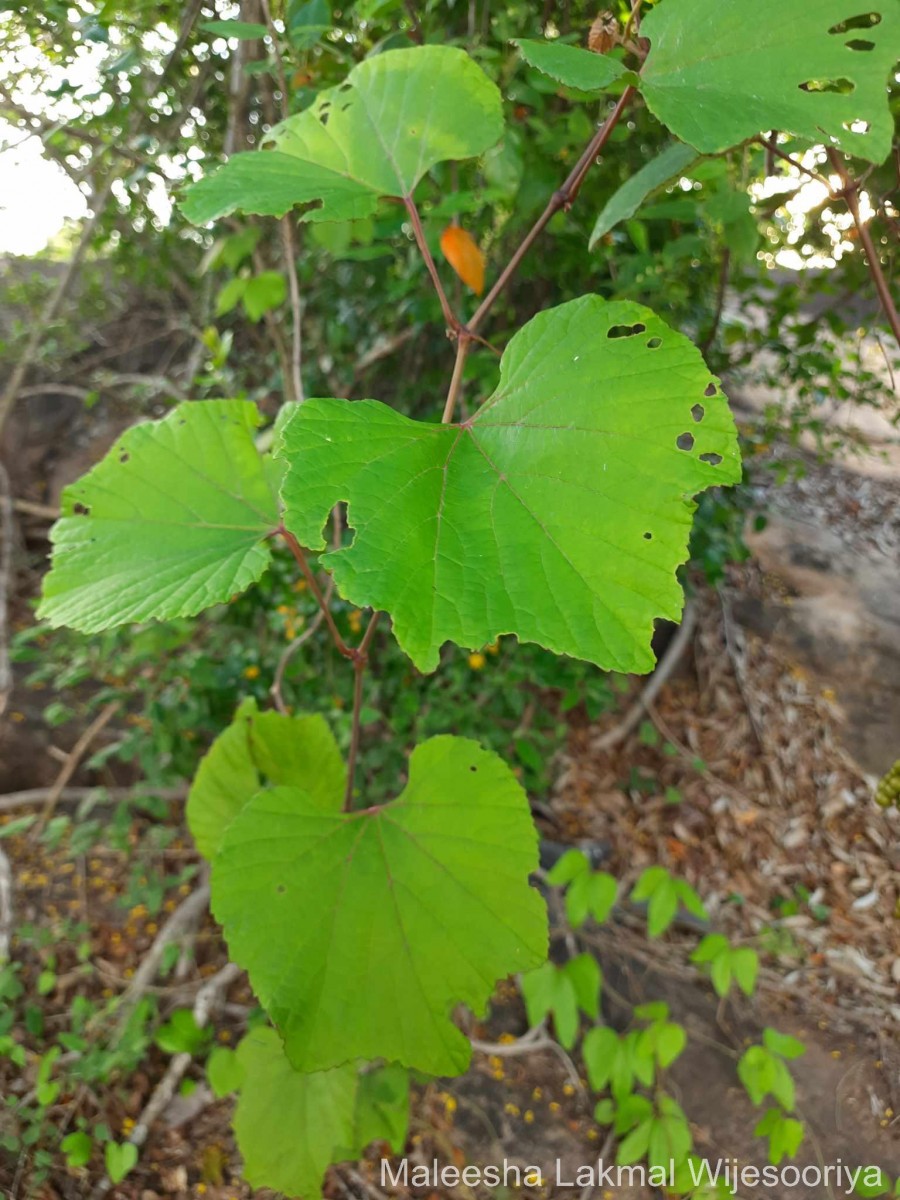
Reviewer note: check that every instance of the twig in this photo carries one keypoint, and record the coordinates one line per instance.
(850, 193)
(720, 302)
(562, 199)
(6, 540)
(74, 795)
(288, 653)
(187, 914)
(76, 754)
(207, 998)
(360, 659)
(772, 149)
(450, 318)
(297, 550)
(6, 906)
(671, 658)
(289, 254)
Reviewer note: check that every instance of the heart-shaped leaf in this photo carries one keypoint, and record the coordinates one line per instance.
(395, 116)
(558, 512)
(361, 931)
(173, 520)
(719, 73)
(120, 1158)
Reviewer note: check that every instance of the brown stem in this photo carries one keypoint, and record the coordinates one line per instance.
(720, 302)
(450, 318)
(360, 660)
(561, 199)
(850, 193)
(308, 574)
(289, 254)
(795, 163)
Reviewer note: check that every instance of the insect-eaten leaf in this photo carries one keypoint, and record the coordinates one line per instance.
(173, 520)
(378, 133)
(560, 511)
(462, 253)
(361, 931)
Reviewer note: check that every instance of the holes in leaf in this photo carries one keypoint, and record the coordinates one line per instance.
(698, 412)
(654, 343)
(840, 87)
(864, 21)
(281, 889)
(860, 44)
(709, 390)
(473, 768)
(80, 509)
(712, 459)
(685, 441)
(648, 537)
(624, 331)
(124, 456)
(856, 126)
(323, 117)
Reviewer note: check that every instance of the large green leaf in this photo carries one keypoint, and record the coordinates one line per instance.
(172, 520)
(396, 115)
(559, 512)
(257, 748)
(718, 73)
(361, 931)
(290, 1126)
(570, 65)
(627, 199)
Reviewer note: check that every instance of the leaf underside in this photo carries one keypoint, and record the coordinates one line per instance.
(290, 1126)
(627, 199)
(559, 512)
(361, 931)
(719, 73)
(171, 521)
(396, 116)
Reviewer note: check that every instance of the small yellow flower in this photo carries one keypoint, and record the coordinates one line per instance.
(284, 609)
(536, 1094)
(568, 1090)
(127, 1125)
(300, 585)
(251, 672)
(554, 1106)
(528, 1116)
(511, 1110)
(476, 661)
(450, 1104)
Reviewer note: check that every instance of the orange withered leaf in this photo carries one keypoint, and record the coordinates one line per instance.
(604, 33)
(462, 253)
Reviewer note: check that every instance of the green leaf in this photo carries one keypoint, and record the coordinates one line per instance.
(558, 512)
(361, 931)
(570, 65)
(181, 1034)
(173, 520)
(243, 30)
(602, 891)
(599, 1051)
(583, 972)
(670, 1141)
(756, 1071)
(661, 908)
(636, 1144)
(710, 947)
(121, 1158)
(875, 1183)
(224, 1071)
(77, 1147)
(230, 295)
(626, 201)
(669, 1041)
(257, 748)
(396, 116)
(307, 22)
(291, 1126)
(783, 1044)
(568, 867)
(745, 968)
(263, 293)
(716, 75)
(578, 900)
(720, 973)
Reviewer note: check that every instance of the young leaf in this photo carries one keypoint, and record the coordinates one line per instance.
(260, 747)
(224, 1071)
(716, 75)
(121, 1158)
(559, 512)
(173, 520)
(570, 65)
(361, 930)
(396, 116)
(264, 292)
(291, 1126)
(246, 30)
(783, 1044)
(602, 891)
(78, 1148)
(745, 968)
(584, 974)
(570, 865)
(626, 201)
(599, 1051)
